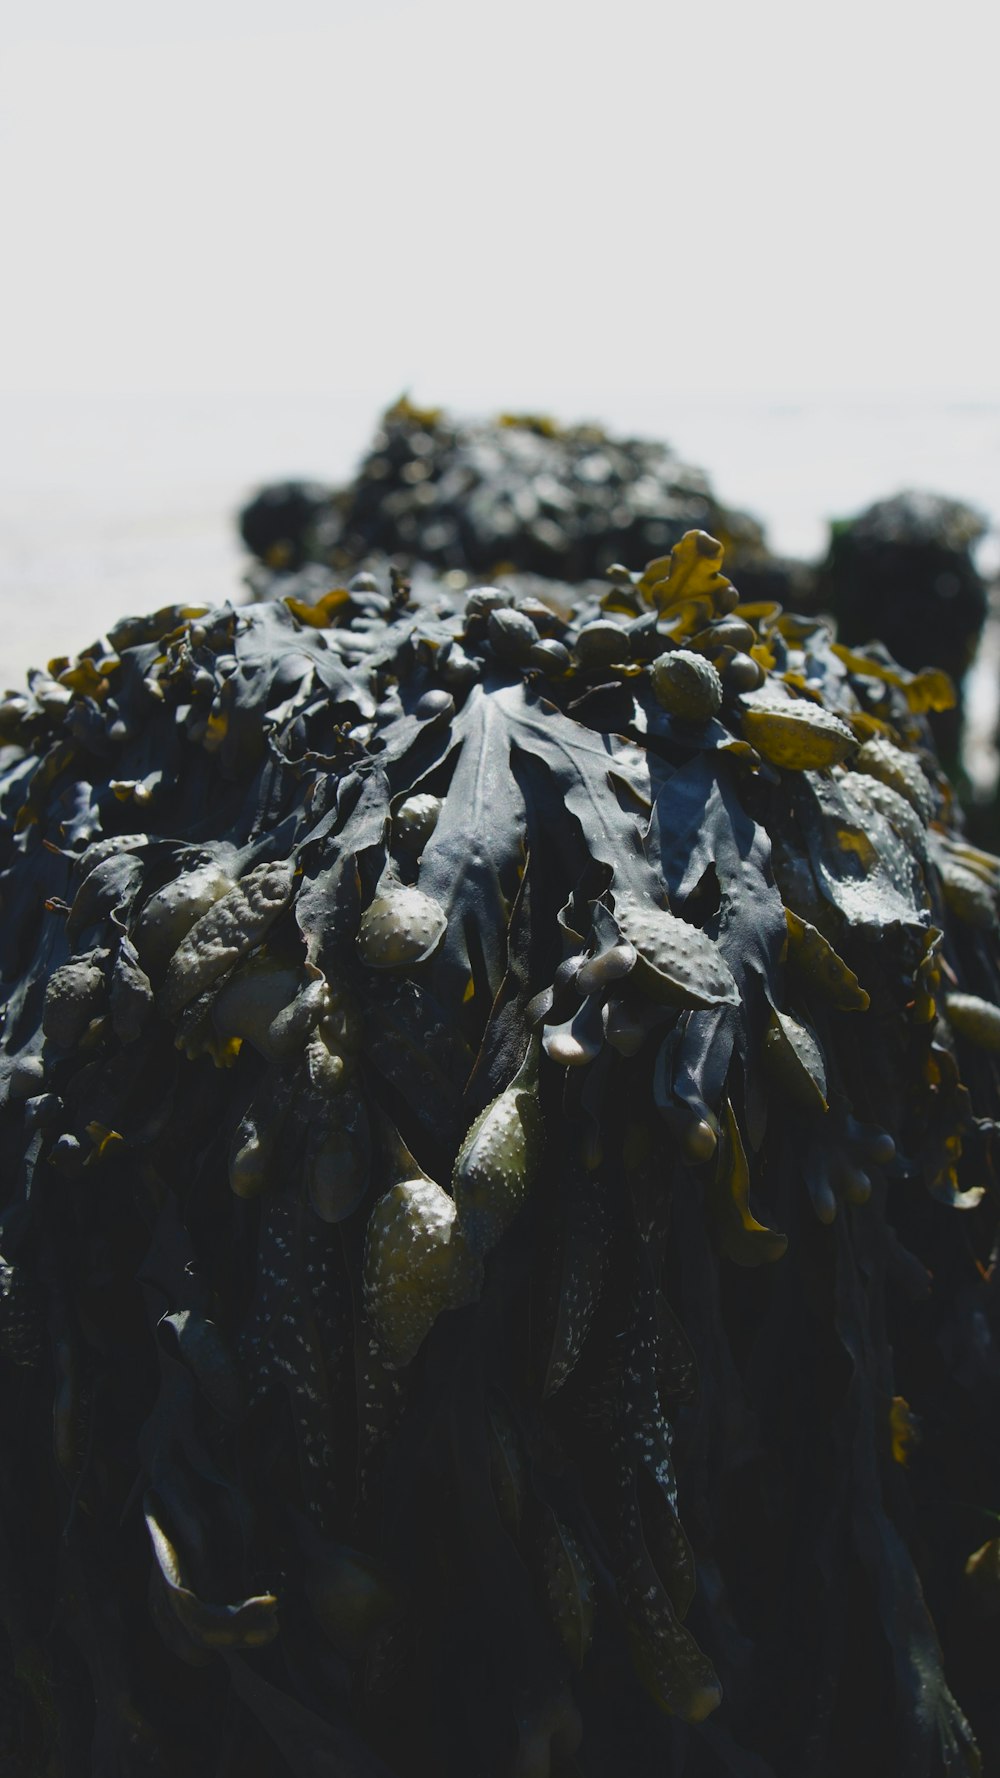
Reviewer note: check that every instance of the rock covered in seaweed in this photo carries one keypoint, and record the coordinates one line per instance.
(904, 571)
(904, 568)
(696, 1017)
(522, 492)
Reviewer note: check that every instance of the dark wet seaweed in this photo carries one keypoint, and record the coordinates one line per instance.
(501, 1282)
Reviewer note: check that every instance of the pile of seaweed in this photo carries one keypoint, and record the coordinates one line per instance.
(498, 1207)
(523, 493)
(520, 492)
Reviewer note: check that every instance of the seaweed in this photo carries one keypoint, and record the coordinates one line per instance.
(499, 1204)
(521, 492)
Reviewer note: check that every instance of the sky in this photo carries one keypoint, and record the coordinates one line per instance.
(531, 205)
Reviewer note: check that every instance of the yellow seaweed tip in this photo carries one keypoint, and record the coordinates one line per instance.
(797, 736)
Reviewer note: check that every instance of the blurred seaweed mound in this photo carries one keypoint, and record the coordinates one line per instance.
(525, 494)
(499, 1201)
(903, 571)
(522, 492)
(909, 559)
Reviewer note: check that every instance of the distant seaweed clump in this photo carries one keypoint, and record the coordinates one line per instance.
(499, 1207)
(522, 493)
